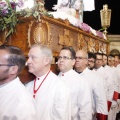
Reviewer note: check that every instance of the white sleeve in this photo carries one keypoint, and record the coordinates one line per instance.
(100, 96)
(85, 102)
(62, 104)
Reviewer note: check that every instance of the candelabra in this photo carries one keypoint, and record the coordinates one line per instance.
(105, 15)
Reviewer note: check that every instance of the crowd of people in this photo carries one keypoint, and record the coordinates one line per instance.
(86, 88)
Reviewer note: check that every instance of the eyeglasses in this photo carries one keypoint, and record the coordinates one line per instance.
(80, 58)
(64, 58)
(6, 65)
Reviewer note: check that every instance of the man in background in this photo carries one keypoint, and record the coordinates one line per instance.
(81, 104)
(96, 85)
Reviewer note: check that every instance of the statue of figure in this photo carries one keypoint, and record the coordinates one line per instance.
(78, 5)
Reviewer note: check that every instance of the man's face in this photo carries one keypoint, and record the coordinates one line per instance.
(4, 69)
(99, 61)
(104, 60)
(116, 61)
(111, 61)
(36, 61)
(81, 60)
(65, 62)
(91, 63)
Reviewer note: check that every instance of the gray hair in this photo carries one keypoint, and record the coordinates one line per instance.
(45, 50)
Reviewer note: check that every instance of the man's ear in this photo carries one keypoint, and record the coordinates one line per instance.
(47, 60)
(13, 69)
(73, 62)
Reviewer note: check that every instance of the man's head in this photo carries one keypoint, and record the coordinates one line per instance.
(81, 60)
(117, 60)
(66, 59)
(105, 59)
(39, 59)
(91, 60)
(99, 60)
(12, 61)
(111, 60)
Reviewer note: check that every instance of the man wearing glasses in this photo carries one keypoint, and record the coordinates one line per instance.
(16, 103)
(108, 78)
(80, 95)
(50, 93)
(91, 60)
(99, 101)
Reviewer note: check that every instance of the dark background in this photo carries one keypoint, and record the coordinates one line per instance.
(93, 18)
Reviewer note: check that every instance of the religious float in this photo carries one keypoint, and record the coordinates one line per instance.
(55, 32)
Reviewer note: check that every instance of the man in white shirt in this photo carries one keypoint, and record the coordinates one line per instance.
(16, 103)
(91, 60)
(51, 95)
(113, 71)
(96, 85)
(80, 93)
(109, 84)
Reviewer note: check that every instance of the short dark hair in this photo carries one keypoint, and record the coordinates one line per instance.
(98, 54)
(16, 56)
(91, 55)
(103, 54)
(72, 51)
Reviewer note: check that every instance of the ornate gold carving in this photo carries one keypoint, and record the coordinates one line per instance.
(96, 45)
(82, 45)
(102, 48)
(39, 38)
(91, 45)
(65, 39)
(38, 33)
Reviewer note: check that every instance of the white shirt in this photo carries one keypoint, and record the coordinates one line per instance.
(80, 95)
(52, 99)
(16, 103)
(108, 81)
(97, 89)
(113, 72)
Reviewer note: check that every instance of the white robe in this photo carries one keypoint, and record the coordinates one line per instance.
(53, 99)
(16, 103)
(97, 89)
(80, 95)
(109, 85)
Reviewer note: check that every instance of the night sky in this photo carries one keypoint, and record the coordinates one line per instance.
(93, 18)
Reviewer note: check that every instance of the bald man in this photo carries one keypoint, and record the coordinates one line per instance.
(96, 85)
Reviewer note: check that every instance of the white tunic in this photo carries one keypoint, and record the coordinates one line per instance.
(53, 99)
(113, 71)
(16, 102)
(97, 89)
(80, 95)
(108, 82)
(118, 74)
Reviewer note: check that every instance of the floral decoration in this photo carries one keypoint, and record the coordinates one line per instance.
(11, 10)
(8, 15)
